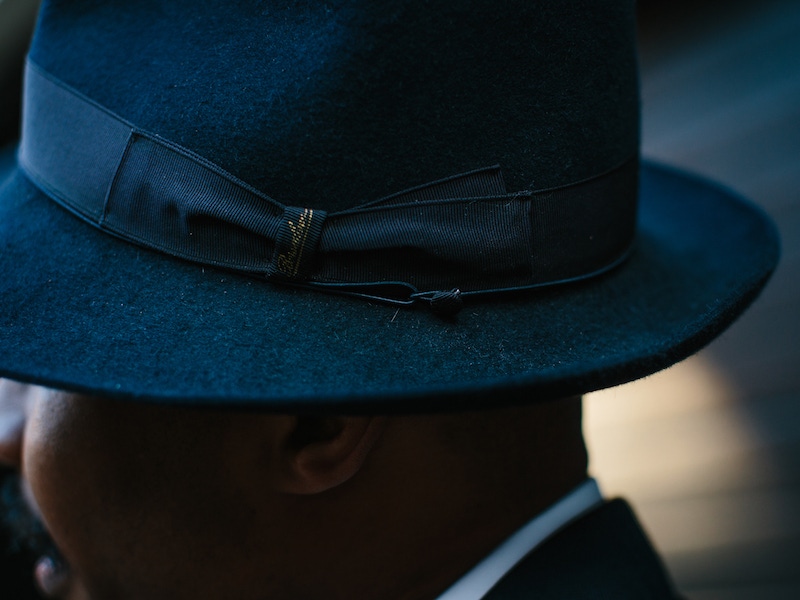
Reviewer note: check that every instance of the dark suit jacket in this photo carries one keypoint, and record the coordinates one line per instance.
(604, 555)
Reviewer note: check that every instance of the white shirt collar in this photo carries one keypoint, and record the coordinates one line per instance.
(483, 576)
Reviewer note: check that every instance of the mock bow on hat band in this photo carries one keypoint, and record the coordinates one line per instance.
(457, 236)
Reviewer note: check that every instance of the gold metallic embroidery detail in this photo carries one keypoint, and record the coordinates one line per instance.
(289, 262)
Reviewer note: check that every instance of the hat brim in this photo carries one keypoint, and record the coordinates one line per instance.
(83, 311)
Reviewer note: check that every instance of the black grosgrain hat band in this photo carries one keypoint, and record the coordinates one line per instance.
(463, 235)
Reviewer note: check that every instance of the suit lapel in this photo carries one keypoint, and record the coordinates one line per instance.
(604, 555)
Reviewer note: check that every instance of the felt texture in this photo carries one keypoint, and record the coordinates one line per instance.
(330, 104)
(84, 311)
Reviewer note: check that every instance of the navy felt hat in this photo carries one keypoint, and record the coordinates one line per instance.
(402, 205)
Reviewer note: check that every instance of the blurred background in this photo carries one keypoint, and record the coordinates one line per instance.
(708, 451)
(16, 23)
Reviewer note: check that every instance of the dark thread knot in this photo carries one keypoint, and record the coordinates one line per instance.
(446, 304)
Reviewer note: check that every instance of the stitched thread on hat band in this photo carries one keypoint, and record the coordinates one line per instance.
(464, 233)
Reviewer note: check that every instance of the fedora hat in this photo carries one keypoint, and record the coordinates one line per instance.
(354, 206)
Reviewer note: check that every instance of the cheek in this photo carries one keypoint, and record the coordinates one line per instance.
(137, 500)
(67, 473)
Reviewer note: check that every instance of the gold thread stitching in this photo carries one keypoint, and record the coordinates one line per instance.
(289, 262)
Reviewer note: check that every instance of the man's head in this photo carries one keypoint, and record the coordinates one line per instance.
(193, 181)
(158, 502)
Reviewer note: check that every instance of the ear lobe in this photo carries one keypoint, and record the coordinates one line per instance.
(320, 453)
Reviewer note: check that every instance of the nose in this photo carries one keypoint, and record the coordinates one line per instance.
(13, 408)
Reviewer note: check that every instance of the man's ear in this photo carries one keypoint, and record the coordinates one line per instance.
(315, 454)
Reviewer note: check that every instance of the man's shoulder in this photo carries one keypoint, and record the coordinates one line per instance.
(602, 555)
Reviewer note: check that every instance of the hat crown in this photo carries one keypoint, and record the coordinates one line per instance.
(329, 105)
(326, 107)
